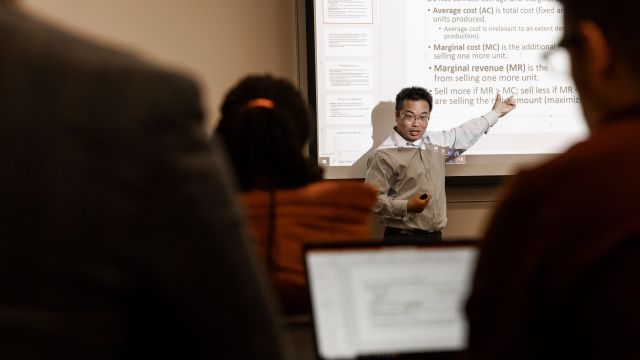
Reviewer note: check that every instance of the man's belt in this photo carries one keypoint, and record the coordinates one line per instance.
(412, 232)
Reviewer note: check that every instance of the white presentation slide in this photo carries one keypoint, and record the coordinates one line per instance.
(349, 76)
(349, 109)
(347, 144)
(348, 42)
(464, 52)
(347, 11)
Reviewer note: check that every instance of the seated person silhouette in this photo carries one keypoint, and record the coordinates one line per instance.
(265, 126)
(121, 236)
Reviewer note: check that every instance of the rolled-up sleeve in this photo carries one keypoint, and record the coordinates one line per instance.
(462, 137)
(381, 173)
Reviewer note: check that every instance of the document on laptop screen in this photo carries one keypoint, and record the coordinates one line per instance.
(374, 301)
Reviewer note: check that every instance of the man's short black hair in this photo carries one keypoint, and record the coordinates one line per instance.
(618, 20)
(413, 93)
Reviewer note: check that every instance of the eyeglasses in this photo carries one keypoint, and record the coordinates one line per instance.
(411, 118)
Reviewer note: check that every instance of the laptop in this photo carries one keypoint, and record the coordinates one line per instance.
(380, 300)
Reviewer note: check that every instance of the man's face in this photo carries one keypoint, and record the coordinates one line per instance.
(412, 119)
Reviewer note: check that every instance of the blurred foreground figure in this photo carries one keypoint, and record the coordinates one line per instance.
(265, 125)
(556, 276)
(119, 235)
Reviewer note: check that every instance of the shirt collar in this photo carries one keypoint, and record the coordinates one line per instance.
(399, 141)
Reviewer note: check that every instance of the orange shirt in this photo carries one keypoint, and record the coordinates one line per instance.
(321, 212)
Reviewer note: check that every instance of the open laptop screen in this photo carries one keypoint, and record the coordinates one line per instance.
(375, 299)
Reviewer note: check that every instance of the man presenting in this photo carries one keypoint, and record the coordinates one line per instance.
(408, 167)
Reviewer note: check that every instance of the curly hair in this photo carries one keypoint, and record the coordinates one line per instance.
(265, 142)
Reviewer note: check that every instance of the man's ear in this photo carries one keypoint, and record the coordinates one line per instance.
(596, 52)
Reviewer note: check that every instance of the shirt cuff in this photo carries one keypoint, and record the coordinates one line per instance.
(491, 117)
(400, 208)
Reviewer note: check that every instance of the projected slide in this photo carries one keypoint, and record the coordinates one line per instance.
(464, 52)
